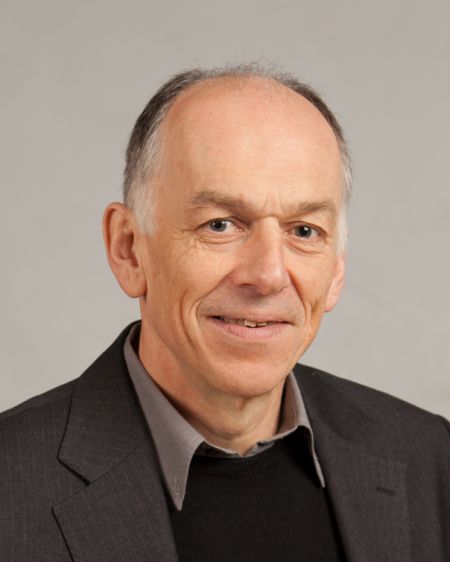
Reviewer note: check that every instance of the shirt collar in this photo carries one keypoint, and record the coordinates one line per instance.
(175, 439)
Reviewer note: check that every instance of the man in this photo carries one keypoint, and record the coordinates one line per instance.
(195, 436)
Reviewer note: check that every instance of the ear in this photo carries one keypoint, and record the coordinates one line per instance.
(337, 282)
(120, 233)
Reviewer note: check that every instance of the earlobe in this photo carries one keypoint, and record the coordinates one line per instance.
(337, 282)
(120, 235)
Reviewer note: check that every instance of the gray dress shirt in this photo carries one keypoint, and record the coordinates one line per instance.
(176, 441)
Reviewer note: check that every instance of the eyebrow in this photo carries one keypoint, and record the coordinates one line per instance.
(209, 198)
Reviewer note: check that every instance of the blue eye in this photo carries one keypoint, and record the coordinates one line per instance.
(305, 231)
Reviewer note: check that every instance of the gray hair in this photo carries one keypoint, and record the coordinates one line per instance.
(143, 154)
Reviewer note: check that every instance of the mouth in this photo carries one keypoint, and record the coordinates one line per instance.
(250, 330)
(247, 323)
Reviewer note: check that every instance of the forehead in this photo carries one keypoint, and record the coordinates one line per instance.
(249, 129)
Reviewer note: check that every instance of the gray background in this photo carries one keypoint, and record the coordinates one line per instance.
(74, 77)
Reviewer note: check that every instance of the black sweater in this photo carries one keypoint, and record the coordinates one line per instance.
(269, 507)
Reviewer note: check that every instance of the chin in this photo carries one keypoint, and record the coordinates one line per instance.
(247, 381)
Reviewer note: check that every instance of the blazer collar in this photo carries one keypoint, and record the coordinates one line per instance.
(367, 489)
(122, 513)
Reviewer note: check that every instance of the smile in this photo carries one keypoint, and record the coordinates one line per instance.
(247, 323)
(255, 331)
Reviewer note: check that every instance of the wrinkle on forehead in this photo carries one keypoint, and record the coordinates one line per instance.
(292, 207)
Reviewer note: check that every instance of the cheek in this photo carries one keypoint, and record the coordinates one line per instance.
(186, 278)
(312, 282)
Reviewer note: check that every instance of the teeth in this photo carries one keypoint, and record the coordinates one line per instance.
(244, 322)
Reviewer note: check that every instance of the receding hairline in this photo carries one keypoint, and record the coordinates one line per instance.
(189, 106)
(273, 89)
(236, 83)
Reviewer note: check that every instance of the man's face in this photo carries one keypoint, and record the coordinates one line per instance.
(243, 261)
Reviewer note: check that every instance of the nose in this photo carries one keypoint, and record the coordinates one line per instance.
(261, 262)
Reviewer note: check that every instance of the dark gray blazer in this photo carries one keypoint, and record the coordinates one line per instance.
(79, 479)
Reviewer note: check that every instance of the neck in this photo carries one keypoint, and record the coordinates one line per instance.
(230, 423)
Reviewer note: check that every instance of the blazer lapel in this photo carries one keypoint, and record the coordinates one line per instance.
(121, 513)
(367, 491)
(368, 494)
(121, 516)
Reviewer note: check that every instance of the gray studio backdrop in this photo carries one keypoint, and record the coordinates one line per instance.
(76, 74)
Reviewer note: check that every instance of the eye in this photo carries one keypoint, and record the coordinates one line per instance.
(306, 232)
(220, 225)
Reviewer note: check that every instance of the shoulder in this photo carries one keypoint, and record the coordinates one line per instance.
(374, 402)
(34, 427)
(30, 437)
(52, 399)
(53, 406)
(388, 422)
(32, 472)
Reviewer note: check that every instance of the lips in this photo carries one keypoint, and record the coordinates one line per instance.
(247, 323)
